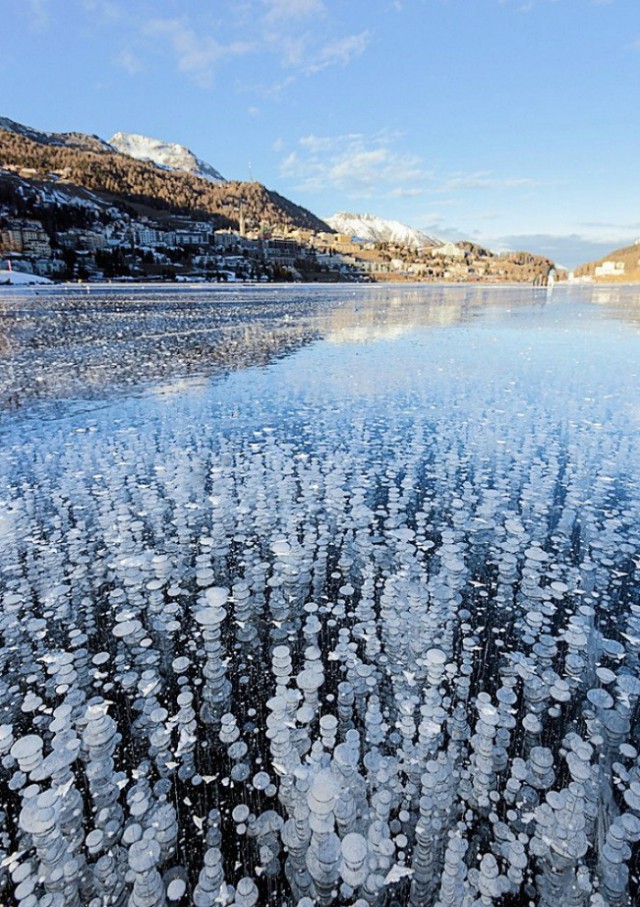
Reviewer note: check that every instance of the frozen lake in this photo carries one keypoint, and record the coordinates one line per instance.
(320, 596)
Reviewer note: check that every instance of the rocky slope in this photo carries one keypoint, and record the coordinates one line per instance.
(164, 154)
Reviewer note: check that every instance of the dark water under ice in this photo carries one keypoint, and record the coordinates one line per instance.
(320, 596)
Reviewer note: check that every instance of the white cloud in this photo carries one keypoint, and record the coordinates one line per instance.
(197, 55)
(354, 164)
(340, 52)
(483, 180)
(406, 192)
(104, 10)
(286, 10)
(302, 35)
(40, 13)
(128, 61)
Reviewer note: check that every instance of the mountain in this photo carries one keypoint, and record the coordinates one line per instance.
(621, 265)
(370, 228)
(78, 140)
(74, 206)
(164, 154)
(92, 164)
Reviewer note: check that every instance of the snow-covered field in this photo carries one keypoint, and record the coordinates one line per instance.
(355, 624)
(21, 279)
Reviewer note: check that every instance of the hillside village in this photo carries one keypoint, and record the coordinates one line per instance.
(74, 208)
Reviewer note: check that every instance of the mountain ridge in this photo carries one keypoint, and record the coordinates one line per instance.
(91, 163)
(371, 228)
(74, 205)
(169, 155)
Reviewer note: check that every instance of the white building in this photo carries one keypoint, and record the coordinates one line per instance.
(610, 269)
(448, 250)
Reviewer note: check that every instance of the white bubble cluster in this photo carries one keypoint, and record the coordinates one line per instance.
(275, 643)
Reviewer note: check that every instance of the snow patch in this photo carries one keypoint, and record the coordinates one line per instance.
(370, 228)
(164, 154)
(20, 279)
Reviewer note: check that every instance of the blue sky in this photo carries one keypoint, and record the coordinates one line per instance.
(510, 122)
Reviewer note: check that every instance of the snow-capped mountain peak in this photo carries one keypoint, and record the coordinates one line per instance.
(370, 228)
(164, 154)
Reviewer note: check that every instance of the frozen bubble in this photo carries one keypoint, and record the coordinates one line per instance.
(216, 596)
(560, 691)
(542, 757)
(240, 772)
(514, 527)
(37, 819)
(631, 826)
(237, 750)
(126, 628)
(629, 684)
(600, 698)
(176, 889)
(210, 617)
(132, 832)
(613, 647)
(328, 724)
(94, 840)
(323, 793)
(27, 748)
(354, 849)
(605, 675)
(261, 781)
(144, 855)
(559, 587)
(436, 657)
(240, 813)
(159, 715)
(246, 892)
(310, 680)
(632, 796)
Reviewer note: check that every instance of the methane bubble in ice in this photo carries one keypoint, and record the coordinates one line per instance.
(358, 626)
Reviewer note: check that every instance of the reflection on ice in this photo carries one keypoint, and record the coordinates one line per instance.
(291, 639)
(56, 345)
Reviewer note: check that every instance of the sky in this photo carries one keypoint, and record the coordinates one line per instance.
(513, 123)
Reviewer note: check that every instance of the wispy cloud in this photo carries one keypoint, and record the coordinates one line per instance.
(356, 165)
(339, 52)
(39, 14)
(129, 62)
(196, 55)
(483, 180)
(287, 10)
(301, 37)
(104, 10)
(608, 226)
(406, 192)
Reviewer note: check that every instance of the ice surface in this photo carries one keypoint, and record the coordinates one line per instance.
(356, 625)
